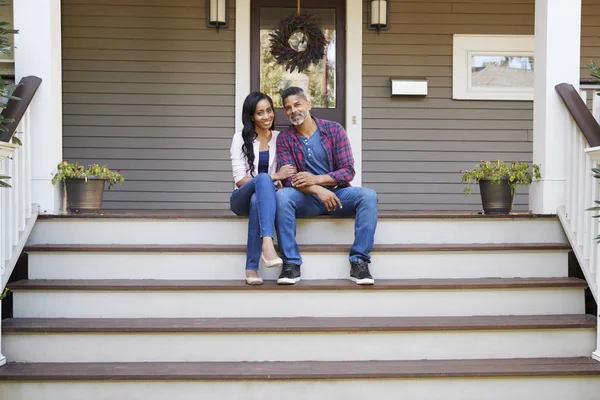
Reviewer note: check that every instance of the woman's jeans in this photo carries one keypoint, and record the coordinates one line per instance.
(256, 198)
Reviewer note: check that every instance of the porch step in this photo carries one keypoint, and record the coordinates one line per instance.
(391, 261)
(316, 298)
(220, 227)
(296, 339)
(548, 378)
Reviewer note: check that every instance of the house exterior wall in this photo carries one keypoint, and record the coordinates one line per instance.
(414, 148)
(149, 89)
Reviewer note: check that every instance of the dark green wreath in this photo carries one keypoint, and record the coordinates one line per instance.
(315, 40)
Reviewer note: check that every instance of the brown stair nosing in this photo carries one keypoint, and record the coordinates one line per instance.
(300, 370)
(227, 214)
(305, 285)
(290, 325)
(315, 248)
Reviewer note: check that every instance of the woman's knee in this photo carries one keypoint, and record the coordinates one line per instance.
(263, 177)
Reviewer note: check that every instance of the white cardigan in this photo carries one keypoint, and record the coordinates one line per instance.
(239, 163)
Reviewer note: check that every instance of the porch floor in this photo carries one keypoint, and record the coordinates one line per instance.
(172, 214)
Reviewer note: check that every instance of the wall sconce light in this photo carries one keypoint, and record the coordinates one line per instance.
(379, 15)
(217, 13)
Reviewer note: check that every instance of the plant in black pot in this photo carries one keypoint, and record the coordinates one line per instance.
(498, 182)
(84, 185)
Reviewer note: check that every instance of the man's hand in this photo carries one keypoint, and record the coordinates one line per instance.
(331, 201)
(305, 179)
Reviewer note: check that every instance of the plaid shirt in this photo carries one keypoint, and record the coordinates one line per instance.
(336, 144)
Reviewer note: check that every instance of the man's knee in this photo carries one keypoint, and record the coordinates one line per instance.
(369, 196)
(286, 196)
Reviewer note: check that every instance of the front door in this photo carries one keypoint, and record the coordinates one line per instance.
(325, 82)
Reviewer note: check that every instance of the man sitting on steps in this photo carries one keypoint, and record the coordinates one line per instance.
(320, 151)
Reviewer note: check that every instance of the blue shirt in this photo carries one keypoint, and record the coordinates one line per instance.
(317, 162)
(263, 161)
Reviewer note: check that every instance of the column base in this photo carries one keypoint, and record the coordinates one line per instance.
(596, 355)
(2, 360)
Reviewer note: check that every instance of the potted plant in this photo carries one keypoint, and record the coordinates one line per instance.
(85, 185)
(498, 182)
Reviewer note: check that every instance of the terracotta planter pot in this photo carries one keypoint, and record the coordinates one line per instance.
(85, 197)
(496, 198)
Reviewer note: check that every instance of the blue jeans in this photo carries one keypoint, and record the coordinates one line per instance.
(256, 198)
(356, 201)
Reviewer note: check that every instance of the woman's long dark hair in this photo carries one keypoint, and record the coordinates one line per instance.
(248, 131)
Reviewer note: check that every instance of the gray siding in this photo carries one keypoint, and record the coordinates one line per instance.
(149, 89)
(414, 148)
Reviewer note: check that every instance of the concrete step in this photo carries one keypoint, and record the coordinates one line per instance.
(296, 339)
(517, 379)
(326, 298)
(220, 227)
(416, 261)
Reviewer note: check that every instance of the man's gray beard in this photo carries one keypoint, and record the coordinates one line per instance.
(298, 121)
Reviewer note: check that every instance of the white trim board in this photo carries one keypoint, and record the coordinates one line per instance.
(354, 27)
(464, 47)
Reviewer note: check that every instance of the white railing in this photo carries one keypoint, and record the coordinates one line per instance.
(17, 213)
(581, 191)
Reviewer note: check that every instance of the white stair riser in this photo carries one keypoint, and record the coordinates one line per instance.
(516, 388)
(337, 346)
(295, 303)
(385, 265)
(326, 231)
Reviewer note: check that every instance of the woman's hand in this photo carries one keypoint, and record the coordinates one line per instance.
(284, 172)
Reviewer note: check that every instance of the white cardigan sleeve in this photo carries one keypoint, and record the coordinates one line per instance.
(238, 159)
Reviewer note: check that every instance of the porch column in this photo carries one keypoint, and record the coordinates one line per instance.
(38, 52)
(2, 357)
(557, 60)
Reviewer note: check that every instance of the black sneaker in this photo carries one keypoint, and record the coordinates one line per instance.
(359, 273)
(290, 274)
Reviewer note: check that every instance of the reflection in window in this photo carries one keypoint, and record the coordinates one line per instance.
(502, 71)
(318, 80)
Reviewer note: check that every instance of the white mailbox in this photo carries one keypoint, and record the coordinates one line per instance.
(409, 86)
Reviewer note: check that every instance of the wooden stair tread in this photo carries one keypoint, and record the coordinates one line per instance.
(310, 285)
(305, 324)
(227, 214)
(202, 248)
(536, 367)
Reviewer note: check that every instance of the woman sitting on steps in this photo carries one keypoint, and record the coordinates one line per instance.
(255, 174)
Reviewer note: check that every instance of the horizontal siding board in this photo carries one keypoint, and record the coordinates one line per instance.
(147, 99)
(137, 132)
(446, 104)
(473, 157)
(445, 124)
(448, 146)
(147, 110)
(460, 135)
(206, 166)
(151, 154)
(113, 66)
(150, 78)
(135, 22)
(456, 114)
(141, 88)
(160, 121)
(157, 55)
(166, 45)
(225, 36)
(132, 143)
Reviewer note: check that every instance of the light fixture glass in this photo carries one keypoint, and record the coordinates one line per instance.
(378, 15)
(217, 13)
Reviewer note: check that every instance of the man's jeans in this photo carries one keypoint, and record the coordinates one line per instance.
(256, 198)
(292, 203)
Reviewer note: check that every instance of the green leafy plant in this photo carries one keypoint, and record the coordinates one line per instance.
(516, 173)
(4, 293)
(594, 69)
(2, 183)
(72, 170)
(7, 88)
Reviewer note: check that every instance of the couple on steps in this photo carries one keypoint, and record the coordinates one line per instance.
(315, 169)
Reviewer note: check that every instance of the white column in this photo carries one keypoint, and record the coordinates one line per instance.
(354, 35)
(38, 52)
(557, 60)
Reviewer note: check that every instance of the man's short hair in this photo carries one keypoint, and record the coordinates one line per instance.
(293, 91)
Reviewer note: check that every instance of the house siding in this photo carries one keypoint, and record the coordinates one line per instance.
(414, 148)
(150, 90)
